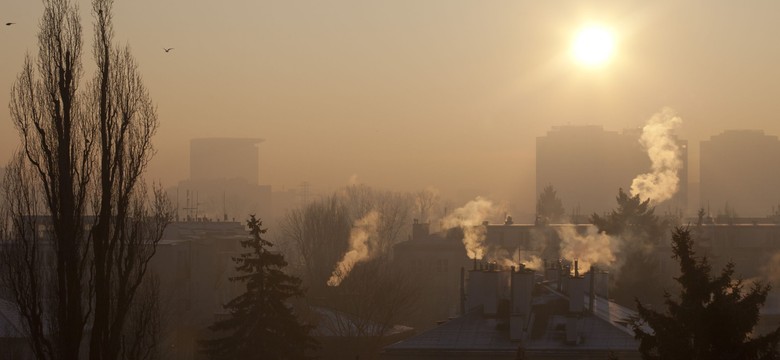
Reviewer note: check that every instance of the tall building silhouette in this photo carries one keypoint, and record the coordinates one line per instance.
(741, 169)
(587, 165)
(223, 183)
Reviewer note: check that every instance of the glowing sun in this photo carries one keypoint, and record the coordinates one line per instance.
(593, 46)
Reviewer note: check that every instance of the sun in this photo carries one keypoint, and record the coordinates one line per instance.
(593, 46)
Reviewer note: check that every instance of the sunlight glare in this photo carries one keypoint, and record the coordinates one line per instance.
(593, 46)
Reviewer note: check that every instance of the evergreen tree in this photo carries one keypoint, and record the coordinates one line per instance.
(635, 222)
(713, 318)
(632, 217)
(549, 208)
(261, 324)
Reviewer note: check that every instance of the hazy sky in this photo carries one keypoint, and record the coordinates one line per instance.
(411, 94)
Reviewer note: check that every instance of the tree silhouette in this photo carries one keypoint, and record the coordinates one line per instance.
(713, 317)
(635, 222)
(549, 208)
(261, 324)
(84, 226)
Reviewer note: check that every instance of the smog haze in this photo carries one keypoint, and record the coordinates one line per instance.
(406, 95)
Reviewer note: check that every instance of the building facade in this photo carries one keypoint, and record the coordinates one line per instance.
(739, 173)
(587, 165)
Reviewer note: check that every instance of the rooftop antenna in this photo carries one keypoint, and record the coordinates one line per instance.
(190, 207)
(224, 208)
(196, 205)
(177, 203)
(305, 192)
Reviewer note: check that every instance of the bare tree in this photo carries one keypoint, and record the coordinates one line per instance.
(142, 338)
(319, 232)
(80, 148)
(395, 209)
(426, 200)
(371, 302)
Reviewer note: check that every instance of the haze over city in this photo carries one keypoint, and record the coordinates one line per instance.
(394, 180)
(408, 95)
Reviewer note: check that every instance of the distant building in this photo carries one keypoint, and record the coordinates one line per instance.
(223, 183)
(739, 173)
(193, 263)
(587, 165)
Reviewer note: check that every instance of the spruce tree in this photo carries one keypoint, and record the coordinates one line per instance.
(261, 323)
(549, 208)
(635, 222)
(713, 317)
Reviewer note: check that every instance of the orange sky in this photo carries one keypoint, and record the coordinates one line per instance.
(409, 94)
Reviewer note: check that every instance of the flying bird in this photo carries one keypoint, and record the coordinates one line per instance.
(167, 49)
(9, 23)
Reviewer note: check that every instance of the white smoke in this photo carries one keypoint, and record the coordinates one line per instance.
(770, 274)
(519, 258)
(590, 248)
(364, 230)
(662, 182)
(470, 218)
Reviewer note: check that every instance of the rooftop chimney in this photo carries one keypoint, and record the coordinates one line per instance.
(420, 231)
(522, 286)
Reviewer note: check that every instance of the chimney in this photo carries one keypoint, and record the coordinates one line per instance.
(576, 287)
(462, 291)
(486, 288)
(420, 231)
(592, 288)
(522, 286)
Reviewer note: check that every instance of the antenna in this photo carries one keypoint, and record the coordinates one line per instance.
(305, 192)
(191, 207)
(224, 207)
(177, 203)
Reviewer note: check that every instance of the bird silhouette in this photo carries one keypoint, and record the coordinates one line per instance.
(167, 49)
(9, 23)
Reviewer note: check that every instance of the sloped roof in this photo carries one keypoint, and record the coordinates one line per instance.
(603, 331)
(10, 320)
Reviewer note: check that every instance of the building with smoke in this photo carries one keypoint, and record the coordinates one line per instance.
(587, 165)
(511, 313)
(739, 173)
(436, 259)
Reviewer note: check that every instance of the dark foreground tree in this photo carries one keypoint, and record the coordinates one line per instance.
(712, 318)
(635, 222)
(261, 323)
(82, 226)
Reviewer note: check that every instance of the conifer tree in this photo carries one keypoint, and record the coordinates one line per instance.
(635, 222)
(261, 323)
(549, 208)
(713, 317)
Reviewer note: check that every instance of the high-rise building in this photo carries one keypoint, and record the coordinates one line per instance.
(224, 159)
(587, 165)
(223, 183)
(740, 170)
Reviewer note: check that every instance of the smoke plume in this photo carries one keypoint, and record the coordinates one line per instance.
(364, 230)
(662, 182)
(591, 248)
(770, 274)
(469, 218)
(519, 258)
